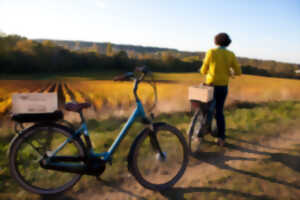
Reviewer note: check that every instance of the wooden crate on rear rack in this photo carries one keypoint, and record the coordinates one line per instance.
(34, 103)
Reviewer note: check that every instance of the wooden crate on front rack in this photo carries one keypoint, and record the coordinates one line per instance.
(202, 93)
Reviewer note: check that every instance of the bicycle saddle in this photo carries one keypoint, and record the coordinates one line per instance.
(76, 107)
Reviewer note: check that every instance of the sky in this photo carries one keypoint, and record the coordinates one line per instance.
(262, 29)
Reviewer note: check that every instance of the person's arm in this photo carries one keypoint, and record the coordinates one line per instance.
(206, 61)
(235, 66)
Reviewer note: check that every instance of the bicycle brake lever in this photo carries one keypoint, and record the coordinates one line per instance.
(124, 77)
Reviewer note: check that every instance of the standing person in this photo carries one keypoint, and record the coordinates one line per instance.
(217, 66)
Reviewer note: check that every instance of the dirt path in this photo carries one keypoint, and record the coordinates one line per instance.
(204, 168)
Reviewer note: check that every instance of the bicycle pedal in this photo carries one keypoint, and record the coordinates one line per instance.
(109, 161)
(96, 167)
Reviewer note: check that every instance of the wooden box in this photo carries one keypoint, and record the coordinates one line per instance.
(34, 103)
(201, 93)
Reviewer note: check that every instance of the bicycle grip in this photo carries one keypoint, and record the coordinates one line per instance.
(123, 77)
(144, 69)
(119, 78)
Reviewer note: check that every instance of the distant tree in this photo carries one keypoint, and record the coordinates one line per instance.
(48, 43)
(140, 56)
(122, 55)
(26, 46)
(94, 49)
(109, 50)
(191, 59)
(247, 69)
(148, 56)
(65, 46)
(132, 54)
(4, 46)
(166, 56)
(2, 34)
(77, 46)
(121, 60)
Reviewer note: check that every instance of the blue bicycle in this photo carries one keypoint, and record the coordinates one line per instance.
(50, 157)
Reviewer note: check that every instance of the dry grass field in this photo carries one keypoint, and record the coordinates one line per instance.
(105, 95)
(8, 87)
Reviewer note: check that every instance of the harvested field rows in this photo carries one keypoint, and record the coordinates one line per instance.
(172, 96)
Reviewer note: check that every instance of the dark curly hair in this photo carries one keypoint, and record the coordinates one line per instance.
(222, 39)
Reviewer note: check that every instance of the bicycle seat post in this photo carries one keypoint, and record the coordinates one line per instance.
(81, 116)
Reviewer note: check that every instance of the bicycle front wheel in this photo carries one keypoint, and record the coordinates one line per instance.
(159, 158)
(29, 148)
(194, 128)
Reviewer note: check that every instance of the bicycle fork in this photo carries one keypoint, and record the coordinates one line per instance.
(161, 156)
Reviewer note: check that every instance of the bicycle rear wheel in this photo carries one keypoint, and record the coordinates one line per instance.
(159, 160)
(29, 148)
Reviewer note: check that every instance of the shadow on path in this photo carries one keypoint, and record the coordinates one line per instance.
(57, 197)
(291, 161)
(218, 159)
(101, 181)
(178, 193)
(256, 144)
(120, 189)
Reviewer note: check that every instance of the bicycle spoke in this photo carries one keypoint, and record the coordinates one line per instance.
(37, 149)
(160, 158)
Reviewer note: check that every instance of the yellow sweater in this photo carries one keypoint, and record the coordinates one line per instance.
(216, 65)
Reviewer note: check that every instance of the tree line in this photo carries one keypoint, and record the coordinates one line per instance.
(19, 55)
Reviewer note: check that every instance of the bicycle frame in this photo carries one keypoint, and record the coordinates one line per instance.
(51, 161)
(138, 112)
(105, 156)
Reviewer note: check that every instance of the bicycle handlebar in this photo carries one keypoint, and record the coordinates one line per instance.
(127, 76)
(137, 79)
(144, 69)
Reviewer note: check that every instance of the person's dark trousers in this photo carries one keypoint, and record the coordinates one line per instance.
(220, 94)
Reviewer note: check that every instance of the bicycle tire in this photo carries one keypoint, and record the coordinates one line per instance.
(141, 156)
(194, 128)
(19, 153)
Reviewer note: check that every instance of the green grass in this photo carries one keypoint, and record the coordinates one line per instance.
(245, 121)
(261, 119)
